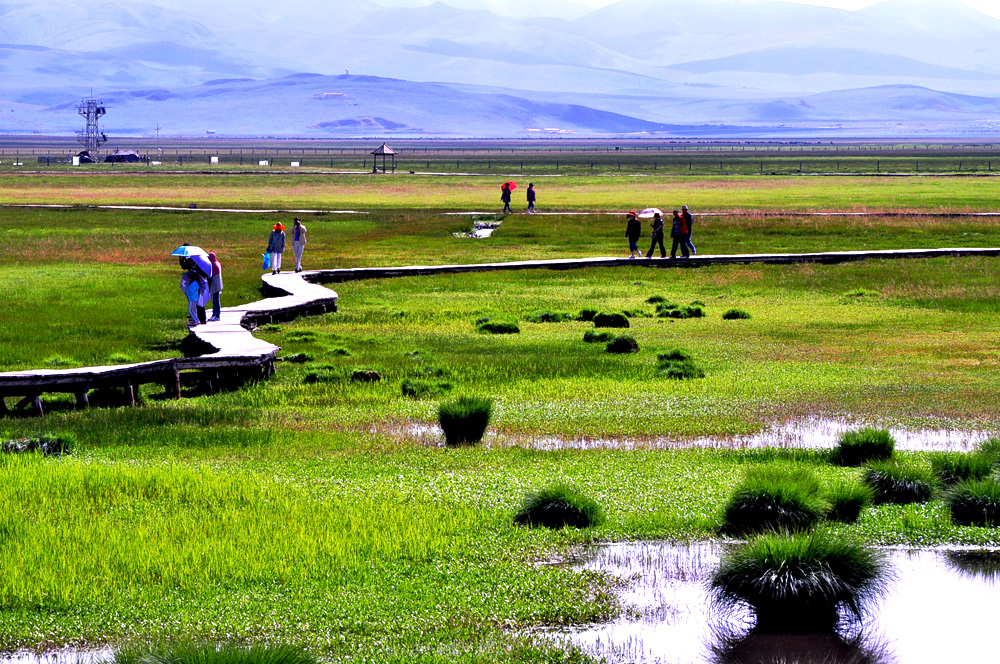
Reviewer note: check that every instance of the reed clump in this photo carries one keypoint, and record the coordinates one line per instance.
(950, 468)
(847, 499)
(899, 484)
(464, 420)
(559, 506)
(605, 319)
(623, 344)
(800, 583)
(773, 500)
(856, 448)
(974, 503)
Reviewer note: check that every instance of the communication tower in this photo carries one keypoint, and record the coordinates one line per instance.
(92, 138)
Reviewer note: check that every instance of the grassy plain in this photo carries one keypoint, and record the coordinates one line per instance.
(327, 514)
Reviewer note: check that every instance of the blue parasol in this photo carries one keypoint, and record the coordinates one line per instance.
(188, 250)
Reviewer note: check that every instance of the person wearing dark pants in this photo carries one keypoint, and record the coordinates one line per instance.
(690, 228)
(633, 230)
(505, 197)
(531, 197)
(657, 237)
(679, 235)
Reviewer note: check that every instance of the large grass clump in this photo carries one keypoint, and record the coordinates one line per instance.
(678, 365)
(735, 314)
(670, 310)
(800, 583)
(464, 420)
(770, 499)
(497, 326)
(974, 503)
(209, 653)
(623, 344)
(899, 484)
(45, 444)
(856, 448)
(593, 336)
(950, 468)
(605, 319)
(559, 506)
(847, 499)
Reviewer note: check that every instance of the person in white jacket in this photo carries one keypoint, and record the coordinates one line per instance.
(298, 242)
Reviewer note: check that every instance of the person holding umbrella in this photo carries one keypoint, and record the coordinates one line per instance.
(657, 216)
(194, 281)
(276, 246)
(505, 190)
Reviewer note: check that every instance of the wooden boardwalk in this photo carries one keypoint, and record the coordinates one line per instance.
(226, 353)
(223, 354)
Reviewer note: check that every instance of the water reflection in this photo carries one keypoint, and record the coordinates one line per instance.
(941, 608)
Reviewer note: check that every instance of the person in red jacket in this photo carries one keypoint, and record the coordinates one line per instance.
(679, 234)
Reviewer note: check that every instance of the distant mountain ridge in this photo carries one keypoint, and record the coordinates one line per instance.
(636, 65)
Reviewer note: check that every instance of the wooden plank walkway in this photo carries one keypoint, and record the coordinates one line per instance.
(230, 354)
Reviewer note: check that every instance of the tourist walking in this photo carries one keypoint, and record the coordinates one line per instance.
(690, 228)
(215, 287)
(505, 197)
(657, 237)
(195, 288)
(276, 246)
(679, 235)
(531, 197)
(633, 231)
(298, 242)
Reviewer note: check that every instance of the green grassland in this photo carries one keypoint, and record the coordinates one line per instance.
(329, 514)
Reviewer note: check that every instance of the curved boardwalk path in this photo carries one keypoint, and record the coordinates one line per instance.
(229, 354)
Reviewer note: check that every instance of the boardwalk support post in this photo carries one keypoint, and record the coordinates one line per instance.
(82, 399)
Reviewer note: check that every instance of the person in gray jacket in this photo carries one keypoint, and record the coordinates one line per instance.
(215, 287)
(298, 242)
(276, 246)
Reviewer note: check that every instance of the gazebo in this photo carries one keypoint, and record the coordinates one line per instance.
(383, 150)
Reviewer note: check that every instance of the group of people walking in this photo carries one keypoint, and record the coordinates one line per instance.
(276, 245)
(680, 233)
(505, 193)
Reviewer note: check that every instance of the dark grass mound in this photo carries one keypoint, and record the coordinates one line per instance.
(558, 507)
(800, 583)
(610, 320)
(419, 388)
(776, 501)
(465, 419)
(548, 317)
(301, 336)
(586, 314)
(339, 352)
(847, 499)
(674, 311)
(950, 468)
(655, 299)
(324, 373)
(974, 503)
(46, 444)
(497, 326)
(300, 358)
(735, 314)
(678, 365)
(193, 653)
(859, 447)
(365, 375)
(899, 484)
(623, 344)
(593, 337)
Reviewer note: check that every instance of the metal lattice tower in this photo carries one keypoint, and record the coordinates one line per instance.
(92, 138)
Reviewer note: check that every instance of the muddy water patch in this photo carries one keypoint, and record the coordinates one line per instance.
(942, 607)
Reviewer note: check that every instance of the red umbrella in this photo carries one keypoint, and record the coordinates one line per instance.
(511, 185)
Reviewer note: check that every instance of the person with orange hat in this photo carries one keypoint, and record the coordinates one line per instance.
(276, 246)
(633, 231)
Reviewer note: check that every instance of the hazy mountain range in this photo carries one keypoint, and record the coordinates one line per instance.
(500, 67)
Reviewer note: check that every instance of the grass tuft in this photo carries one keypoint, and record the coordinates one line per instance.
(300, 358)
(465, 419)
(950, 468)
(419, 388)
(774, 500)
(899, 484)
(847, 499)
(799, 583)
(856, 448)
(495, 326)
(606, 319)
(687, 311)
(548, 317)
(735, 314)
(974, 503)
(655, 299)
(559, 506)
(586, 314)
(623, 344)
(593, 337)
(678, 365)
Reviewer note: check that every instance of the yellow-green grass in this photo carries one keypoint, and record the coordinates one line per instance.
(481, 192)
